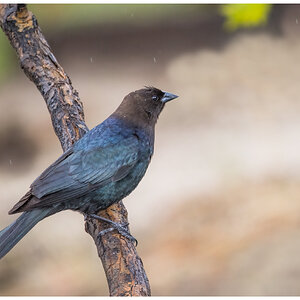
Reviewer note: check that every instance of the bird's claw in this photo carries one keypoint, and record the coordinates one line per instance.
(123, 231)
(121, 228)
(104, 231)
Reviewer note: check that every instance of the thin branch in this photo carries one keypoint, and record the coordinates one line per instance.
(123, 267)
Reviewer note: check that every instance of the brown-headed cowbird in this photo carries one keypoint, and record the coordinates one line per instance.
(101, 168)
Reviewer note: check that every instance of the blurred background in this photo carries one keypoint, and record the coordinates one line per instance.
(218, 212)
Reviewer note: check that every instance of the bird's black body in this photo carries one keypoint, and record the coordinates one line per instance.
(101, 168)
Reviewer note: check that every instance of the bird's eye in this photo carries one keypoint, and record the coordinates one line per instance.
(155, 98)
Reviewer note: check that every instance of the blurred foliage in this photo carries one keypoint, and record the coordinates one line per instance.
(6, 57)
(56, 18)
(62, 16)
(245, 15)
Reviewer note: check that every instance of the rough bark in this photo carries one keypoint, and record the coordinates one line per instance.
(123, 267)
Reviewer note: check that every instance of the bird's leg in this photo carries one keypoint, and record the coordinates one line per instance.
(121, 228)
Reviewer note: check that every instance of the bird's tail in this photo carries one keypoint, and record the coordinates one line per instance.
(13, 233)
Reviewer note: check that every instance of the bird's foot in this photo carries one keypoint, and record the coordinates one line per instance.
(121, 228)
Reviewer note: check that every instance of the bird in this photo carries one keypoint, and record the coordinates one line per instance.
(100, 169)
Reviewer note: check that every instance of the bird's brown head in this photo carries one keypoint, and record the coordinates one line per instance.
(142, 107)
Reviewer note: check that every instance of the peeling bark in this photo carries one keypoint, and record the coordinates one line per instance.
(123, 267)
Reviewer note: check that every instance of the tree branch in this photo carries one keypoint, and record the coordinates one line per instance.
(123, 267)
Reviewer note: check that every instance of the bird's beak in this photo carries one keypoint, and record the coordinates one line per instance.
(168, 97)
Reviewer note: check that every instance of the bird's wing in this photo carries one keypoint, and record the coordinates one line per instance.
(82, 171)
(105, 163)
(27, 200)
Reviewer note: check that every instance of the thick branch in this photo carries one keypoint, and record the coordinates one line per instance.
(123, 267)
(115, 249)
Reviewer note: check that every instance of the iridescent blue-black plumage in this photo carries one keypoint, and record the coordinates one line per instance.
(101, 168)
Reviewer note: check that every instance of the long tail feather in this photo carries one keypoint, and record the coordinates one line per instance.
(13, 233)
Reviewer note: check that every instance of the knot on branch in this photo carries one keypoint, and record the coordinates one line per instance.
(19, 15)
(22, 17)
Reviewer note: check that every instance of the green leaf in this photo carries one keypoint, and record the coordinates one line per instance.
(245, 15)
